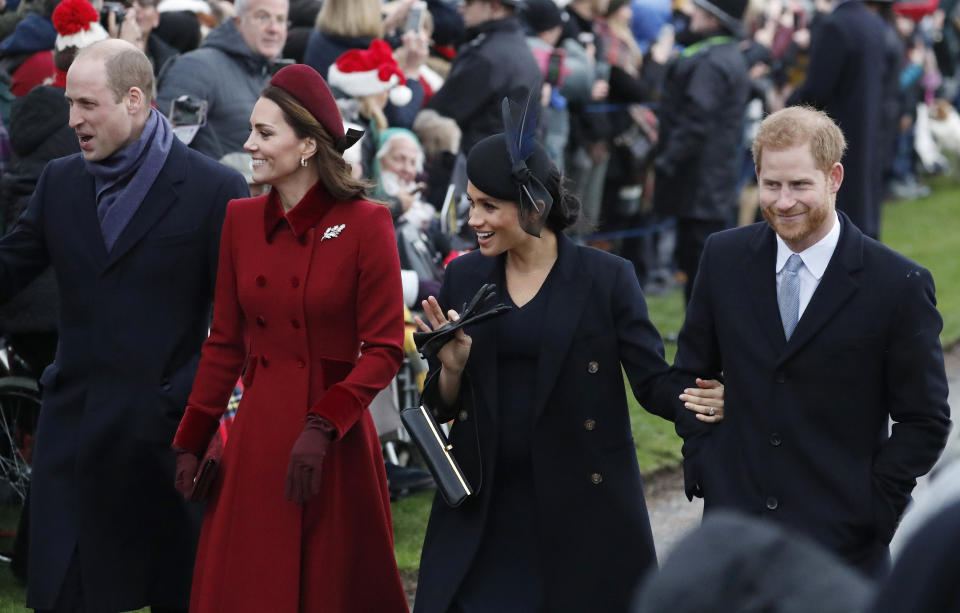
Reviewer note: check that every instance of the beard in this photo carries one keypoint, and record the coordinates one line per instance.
(816, 215)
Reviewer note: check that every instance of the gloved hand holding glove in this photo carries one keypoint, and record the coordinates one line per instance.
(187, 464)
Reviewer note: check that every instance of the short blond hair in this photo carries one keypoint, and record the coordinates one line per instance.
(796, 125)
(356, 18)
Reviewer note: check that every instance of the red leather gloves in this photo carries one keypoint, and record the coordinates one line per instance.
(186, 471)
(306, 459)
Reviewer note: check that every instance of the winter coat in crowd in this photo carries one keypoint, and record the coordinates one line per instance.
(498, 58)
(701, 117)
(323, 49)
(845, 79)
(39, 132)
(159, 51)
(229, 76)
(25, 55)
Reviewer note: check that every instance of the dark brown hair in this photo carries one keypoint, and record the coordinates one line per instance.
(334, 170)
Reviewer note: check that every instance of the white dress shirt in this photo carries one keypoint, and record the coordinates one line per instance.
(815, 259)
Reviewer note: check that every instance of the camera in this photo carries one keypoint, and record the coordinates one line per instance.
(118, 9)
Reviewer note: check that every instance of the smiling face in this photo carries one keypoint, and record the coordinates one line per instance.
(496, 222)
(102, 123)
(273, 144)
(402, 159)
(797, 198)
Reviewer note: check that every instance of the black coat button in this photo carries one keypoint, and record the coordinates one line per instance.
(165, 385)
(780, 377)
(592, 367)
(596, 478)
(261, 321)
(261, 280)
(775, 439)
(463, 416)
(772, 503)
(589, 425)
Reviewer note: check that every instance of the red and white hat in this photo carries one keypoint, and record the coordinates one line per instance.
(77, 24)
(367, 72)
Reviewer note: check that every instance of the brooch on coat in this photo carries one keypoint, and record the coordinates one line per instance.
(332, 232)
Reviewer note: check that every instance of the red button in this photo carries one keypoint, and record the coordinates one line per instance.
(263, 360)
(303, 239)
(295, 282)
(261, 280)
(295, 323)
(261, 321)
(301, 364)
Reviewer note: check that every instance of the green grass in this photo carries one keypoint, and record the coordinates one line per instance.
(924, 230)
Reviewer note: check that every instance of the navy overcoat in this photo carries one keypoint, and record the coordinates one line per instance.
(131, 325)
(594, 529)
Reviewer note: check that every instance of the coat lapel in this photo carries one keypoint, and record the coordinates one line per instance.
(760, 280)
(85, 210)
(158, 200)
(484, 348)
(568, 296)
(835, 288)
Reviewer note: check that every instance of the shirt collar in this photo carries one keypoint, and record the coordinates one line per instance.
(815, 257)
(310, 210)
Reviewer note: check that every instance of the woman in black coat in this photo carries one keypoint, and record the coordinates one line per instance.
(541, 425)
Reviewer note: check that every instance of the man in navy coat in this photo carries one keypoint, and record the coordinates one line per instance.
(845, 78)
(823, 336)
(131, 226)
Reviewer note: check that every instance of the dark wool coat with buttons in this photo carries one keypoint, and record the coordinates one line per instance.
(590, 505)
(311, 302)
(805, 438)
(131, 325)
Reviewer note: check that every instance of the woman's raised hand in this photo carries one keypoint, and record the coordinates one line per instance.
(706, 400)
(454, 354)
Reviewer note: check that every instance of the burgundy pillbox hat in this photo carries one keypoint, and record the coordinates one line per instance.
(310, 90)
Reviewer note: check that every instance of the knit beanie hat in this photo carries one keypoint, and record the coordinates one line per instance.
(367, 72)
(542, 15)
(77, 24)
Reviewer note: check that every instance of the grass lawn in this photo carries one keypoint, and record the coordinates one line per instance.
(924, 230)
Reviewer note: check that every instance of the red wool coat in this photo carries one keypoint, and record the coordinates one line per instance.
(312, 304)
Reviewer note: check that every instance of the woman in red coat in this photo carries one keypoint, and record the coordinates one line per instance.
(308, 299)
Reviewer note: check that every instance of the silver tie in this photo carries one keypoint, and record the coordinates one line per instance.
(788, 297)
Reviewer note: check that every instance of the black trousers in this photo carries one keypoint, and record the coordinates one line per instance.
(70, 599)
(691, 236)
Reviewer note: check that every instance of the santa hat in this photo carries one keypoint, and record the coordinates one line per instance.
(367, 72)
(77, 24)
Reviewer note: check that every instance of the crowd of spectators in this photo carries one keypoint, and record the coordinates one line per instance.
(647, 105)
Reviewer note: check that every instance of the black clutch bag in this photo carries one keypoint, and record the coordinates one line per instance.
(433, 445)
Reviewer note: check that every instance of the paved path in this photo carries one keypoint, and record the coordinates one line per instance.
(672, 517)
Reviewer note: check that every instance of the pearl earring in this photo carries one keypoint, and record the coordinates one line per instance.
(303, 161)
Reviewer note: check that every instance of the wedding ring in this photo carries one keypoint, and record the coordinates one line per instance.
(712, 412)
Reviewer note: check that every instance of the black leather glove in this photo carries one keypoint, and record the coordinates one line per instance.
(429, 343)
(306, 459)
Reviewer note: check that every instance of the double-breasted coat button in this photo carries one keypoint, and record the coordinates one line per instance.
(463, 416)
(261, 321)
(303, 239)
(780, 377)
(294, 282)
(592, 367)
(261, 280)
(295, 323)
(589, 425)
(301, 364)
(264, 361)
(772, 503)
(596, 478)
(775, 439)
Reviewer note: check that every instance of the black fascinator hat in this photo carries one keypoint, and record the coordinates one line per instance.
(514, 166)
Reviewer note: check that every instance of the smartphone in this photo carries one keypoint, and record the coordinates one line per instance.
(415, 17)
(188, 111)
(554, 67)
(602, 72)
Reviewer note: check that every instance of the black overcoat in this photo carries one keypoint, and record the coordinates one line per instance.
(131, 325)
(805, 439)
(594, 528)
(845, 79)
